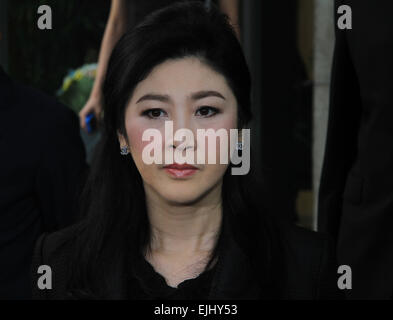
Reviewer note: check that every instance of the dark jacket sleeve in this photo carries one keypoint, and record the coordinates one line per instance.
(53, 250)
(49, 251)
(309, 264)
(342, 133)
(37, 261)
(327, 286)
(62, 168)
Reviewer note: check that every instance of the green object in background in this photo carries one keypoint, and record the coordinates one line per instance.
(74, 93)
(76, 87)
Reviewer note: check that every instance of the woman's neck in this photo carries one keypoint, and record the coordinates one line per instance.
(183, 236)
(186, 229)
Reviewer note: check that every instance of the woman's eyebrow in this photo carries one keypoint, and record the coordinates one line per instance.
(195, 96)
(154, 96)
(207, 93)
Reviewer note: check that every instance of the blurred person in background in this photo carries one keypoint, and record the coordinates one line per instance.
(126, 14)
(356, 190)
(41, 166)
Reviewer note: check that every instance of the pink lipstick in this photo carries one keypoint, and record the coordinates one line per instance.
(180, 170)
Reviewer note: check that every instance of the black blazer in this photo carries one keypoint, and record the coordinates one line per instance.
(41, 163)
(298, 264)
(356, 190)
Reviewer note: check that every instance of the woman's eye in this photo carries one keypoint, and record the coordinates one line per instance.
(207, 111)
(154, 113)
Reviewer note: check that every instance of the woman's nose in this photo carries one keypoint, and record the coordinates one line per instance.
(181, 121)
(183, 131)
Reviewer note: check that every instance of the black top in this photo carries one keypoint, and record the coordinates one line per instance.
(290, 263)
(41, 165)
(144, 283)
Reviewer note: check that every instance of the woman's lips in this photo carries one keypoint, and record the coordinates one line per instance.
(180, 170)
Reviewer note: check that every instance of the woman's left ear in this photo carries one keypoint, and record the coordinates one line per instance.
(122, 140)
(240, 135)
(239, 145)
(124, 150)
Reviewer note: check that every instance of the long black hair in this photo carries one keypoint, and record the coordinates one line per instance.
(116, 224)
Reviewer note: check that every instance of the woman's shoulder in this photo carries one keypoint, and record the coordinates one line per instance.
(51, 245)
(53, 251)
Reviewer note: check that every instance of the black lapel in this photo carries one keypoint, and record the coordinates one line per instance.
(248, 267)
(234, 276)
(238, 274)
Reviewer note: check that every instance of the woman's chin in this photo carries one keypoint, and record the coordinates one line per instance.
(182, 197)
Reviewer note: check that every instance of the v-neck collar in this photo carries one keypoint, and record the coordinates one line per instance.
(154, 285)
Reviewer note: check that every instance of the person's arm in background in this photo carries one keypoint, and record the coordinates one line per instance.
(115, 28)
(231, 9)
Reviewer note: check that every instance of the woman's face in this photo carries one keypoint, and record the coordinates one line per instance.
(193, 96)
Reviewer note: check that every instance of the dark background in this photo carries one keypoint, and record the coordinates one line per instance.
(42, 57)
